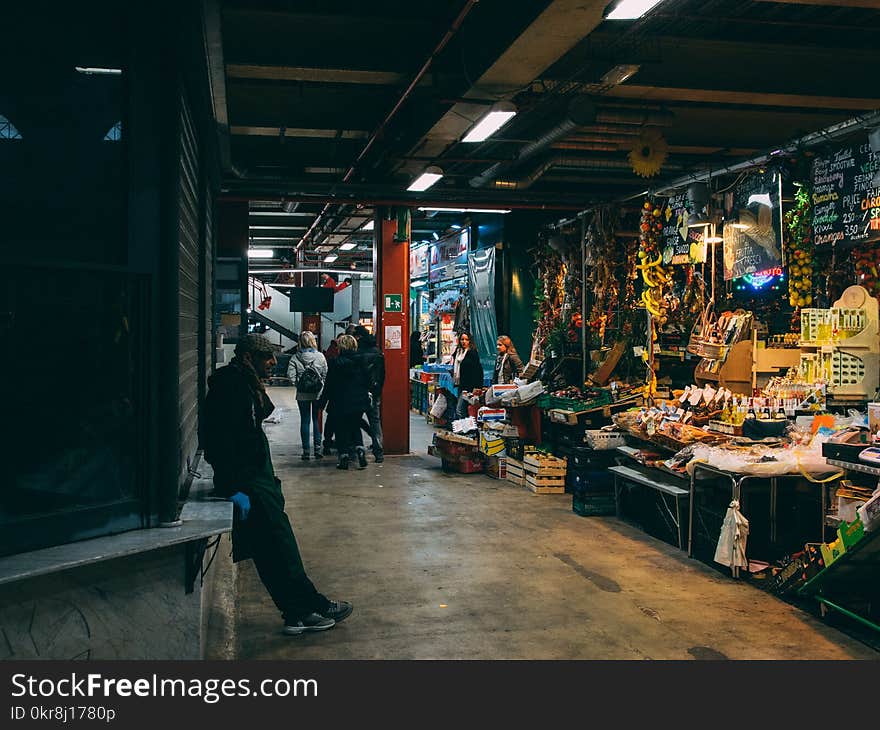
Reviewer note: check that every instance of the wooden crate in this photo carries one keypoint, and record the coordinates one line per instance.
(543, 462)
(544, 484)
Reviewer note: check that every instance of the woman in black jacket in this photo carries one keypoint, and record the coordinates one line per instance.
(467, 372)
(347, 392)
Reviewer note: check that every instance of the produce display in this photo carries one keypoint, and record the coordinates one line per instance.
(799, 243)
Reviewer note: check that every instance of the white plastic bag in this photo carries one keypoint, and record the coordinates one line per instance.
(731, 548)
(438, 409)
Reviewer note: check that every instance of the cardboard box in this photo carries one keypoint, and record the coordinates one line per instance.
(496, 467)
(491, 444)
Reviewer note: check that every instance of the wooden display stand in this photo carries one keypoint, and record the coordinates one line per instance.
(735, 373)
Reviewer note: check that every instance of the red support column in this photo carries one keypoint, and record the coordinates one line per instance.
(391, 317)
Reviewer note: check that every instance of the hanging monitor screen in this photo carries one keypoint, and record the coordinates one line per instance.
(311, 299)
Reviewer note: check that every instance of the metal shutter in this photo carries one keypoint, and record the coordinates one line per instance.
(207, 333)
(188, 288)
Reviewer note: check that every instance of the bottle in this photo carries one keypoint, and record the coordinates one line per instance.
(750, 413)
(780, 411)
(766, 414)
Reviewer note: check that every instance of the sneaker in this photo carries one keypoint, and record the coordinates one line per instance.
(362, 459)
(307, 624)
(305, 456)
(319, 454)
(380, 458)
(338, 611)
(343, 463)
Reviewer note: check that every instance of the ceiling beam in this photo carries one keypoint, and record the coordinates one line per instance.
(316, 75)
(869, 4)
(246, 131)
(753, 98)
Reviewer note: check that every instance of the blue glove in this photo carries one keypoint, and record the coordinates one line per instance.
(242, 503)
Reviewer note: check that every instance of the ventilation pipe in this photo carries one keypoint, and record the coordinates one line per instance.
(566, 162)
(581, 112)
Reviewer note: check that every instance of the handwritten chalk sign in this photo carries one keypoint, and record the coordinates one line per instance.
(846, 204)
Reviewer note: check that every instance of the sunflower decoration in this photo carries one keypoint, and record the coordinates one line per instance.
(648, 153)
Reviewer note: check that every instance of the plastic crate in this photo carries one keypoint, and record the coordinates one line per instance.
(604, 440)
(573, 404)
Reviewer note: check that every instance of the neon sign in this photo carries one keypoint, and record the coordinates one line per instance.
(760, 279)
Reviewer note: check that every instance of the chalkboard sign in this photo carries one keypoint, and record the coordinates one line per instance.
(681, 245)
(846, 205)
(756, 249)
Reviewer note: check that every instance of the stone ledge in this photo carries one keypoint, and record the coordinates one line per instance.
(202, 517)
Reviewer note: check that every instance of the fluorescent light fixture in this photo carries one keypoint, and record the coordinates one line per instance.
(426, 179)
(277, 228)
(631, 9)
(261, 253)
(417, 284)
(619, 74)
(348, 246)
(466, 210)
(274, 238)
(321, 269)
(436, 235)
(97, 71)
(455, 227)
(497, 116)
(330, 258)
(369, 225)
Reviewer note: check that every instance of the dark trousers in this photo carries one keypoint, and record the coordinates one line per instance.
(374, 416)
(278, 561)
(329, 429)
(348, 433)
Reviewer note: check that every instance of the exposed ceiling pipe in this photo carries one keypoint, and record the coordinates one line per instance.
(581, 111)
(453, 29)
(568, 162)
(639, 117)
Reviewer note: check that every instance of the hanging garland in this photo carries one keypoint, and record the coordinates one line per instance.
(800, 250)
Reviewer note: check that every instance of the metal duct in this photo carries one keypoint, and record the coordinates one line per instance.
(638, 117)
(581, 111)
(581, 163)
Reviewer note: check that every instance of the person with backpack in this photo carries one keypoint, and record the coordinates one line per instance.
(374, 363)
(308, 371)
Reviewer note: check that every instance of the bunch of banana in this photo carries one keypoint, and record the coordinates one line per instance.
(653, 301)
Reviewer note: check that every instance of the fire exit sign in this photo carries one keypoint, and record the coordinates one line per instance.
(394, 302)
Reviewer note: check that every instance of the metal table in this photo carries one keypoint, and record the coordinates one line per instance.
(740, 485)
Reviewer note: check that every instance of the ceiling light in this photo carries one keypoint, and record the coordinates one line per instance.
(497, 116)
(261, 253)
(90, 71)
(466, 210)
(426, 179)
(436, 235)
(330, 258)
(280, 212)
(369, 225)
(455, 227)
(274, 238)
(630, 9)
(713, 239)
(619, 74)
(278, 228)
(418, 284)
(348, 246)
(697, 220)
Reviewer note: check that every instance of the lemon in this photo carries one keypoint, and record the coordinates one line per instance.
(808, 299)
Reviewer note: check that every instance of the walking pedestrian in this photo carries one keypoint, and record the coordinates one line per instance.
(308, 371)
(347, 392)
(374, 363)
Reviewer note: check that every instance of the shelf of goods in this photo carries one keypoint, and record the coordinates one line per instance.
(844, 576)
(841, 346)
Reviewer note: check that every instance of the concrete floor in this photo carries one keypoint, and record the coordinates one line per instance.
(466, 567)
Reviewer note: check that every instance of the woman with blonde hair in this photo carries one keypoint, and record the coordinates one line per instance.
(347, 393)
(308, 371)
(507, 363)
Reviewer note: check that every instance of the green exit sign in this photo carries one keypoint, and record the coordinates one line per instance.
(394, 302)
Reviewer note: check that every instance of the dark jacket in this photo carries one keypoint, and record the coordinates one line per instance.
(231, 433)
(470, 374)
(507, 367)
(347, 386)
(374, 362)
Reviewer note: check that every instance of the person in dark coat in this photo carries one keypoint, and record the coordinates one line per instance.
(467, 372)
(331, 353)
(507, 363)
(374, 362)
(347, 391)
(234, 443)
(416, 352)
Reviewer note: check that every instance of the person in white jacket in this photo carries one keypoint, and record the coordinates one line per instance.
(308, 371)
